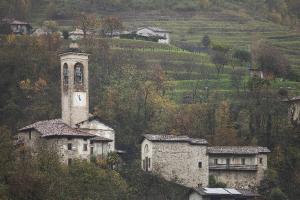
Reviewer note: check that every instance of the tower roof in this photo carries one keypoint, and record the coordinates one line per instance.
(73, 48)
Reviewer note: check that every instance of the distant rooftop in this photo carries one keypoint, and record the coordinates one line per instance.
(242, 150)
(297, 98)
(14, 22)
(175, 138)
(156, 29)
(224, 192)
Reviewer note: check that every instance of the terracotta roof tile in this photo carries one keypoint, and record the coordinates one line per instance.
(56, 127)
(101, 139)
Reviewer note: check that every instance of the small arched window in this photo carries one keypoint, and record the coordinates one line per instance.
(66, 74)
(78, 73)
(146, 149)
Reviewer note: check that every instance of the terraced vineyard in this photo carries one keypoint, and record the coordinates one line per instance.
(190, 70)
(194, 70)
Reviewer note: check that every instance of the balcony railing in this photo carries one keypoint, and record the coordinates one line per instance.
(233, 167)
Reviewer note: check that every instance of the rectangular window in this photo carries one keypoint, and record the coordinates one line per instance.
(149, 162)
(92, 150)
(260, 160)
(144, 167)
(70, 146)
(200, 164)
(228, 161)
(215, 161)
(69, 161)
(243, 161)
(85, 147)
(29, 135)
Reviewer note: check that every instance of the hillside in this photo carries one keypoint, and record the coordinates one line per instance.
(237, 30)
(139, 87)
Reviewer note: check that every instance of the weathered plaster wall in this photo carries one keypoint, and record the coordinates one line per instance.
(97, 128)
(147, 153)
(71, 114)
(100, 149)
(195, 196)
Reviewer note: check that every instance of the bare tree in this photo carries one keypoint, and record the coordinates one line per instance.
(220, 59)
(111, 24)
(87, 22)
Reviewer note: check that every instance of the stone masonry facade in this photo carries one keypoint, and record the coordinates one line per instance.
(179, 159)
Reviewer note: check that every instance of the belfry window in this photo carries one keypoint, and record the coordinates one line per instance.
(146, 149)
(78, 73)
(66, 74)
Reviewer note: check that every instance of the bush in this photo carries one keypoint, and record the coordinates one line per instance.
(275, 17)
(204, 4)
(185, 6)
(206, 41)
(212, 182)
(277, 194)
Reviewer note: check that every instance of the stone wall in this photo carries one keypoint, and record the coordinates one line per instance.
(236, 179)
(77, 152)
(61, 146)
(179, 162)
(31, 142)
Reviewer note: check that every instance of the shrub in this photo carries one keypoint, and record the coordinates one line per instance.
(214, 184)
(275, 17)
(277, 194)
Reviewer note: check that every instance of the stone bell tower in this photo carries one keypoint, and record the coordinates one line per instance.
(74, 85)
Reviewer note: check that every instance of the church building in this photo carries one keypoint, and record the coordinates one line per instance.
(77, 134)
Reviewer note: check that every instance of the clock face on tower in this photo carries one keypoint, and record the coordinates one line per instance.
(79, 99)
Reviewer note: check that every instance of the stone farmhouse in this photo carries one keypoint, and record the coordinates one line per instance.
(190, 161)
(294, 110)
(77, 134)
(256, 73)
(153, 34)
(163, 35)
(18, 27)
(78, 34)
